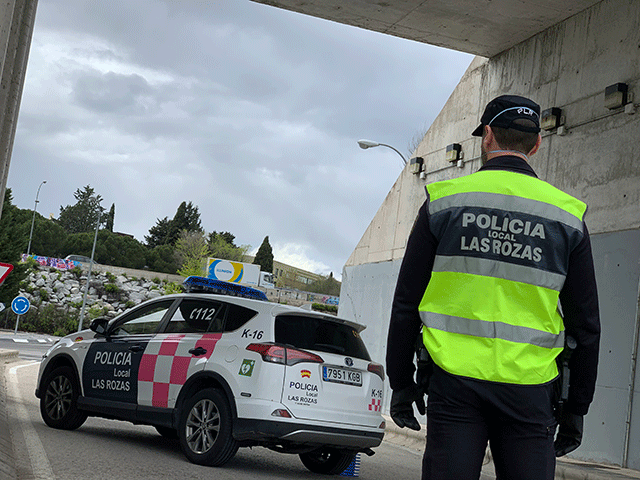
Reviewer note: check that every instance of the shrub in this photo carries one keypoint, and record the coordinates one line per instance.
(44, 295)
(321, 307)
(32, 265)
(49, 320)
(110, 276)
(172, 287)
(111, 288)
(77, 272)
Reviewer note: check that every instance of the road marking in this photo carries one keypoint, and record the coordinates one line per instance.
(21, 340)
(40, 465)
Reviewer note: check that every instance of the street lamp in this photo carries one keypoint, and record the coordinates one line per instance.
(364, 144)
(34, 217)
(86, 287)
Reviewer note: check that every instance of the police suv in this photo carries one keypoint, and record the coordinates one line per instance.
(219, 367)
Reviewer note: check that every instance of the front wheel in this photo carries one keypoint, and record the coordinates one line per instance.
(59, 402)
(205, 429)
(327, 461)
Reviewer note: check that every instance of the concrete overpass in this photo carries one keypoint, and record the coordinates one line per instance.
(563, 55)
(481, 27)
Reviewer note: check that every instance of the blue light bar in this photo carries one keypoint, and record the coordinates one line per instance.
(194, 284)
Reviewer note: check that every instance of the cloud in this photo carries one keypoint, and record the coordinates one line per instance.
(250, 112)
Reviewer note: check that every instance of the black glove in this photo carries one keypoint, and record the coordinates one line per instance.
(569, 433)
(402, 406)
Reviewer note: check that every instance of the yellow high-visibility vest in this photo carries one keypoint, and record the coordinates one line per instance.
(490, 310)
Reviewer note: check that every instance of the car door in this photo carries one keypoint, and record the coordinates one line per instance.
(183, 346)
(110, 369)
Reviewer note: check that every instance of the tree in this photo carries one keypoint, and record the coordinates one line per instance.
(219, 248)
(48, 237)
(83, 216)
(326, 285)
(159, 233)
(11, 248)
(162, 259)
(111, 217)
(191, 250)
(120, 250)
(167, 232)
(225, 236)
(187, 218)
(264, 256)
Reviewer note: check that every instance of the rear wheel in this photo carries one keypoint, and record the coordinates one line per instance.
(59, 402)
(328, 461)
(205, 429)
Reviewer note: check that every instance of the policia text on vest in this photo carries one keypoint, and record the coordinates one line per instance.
(501, 235)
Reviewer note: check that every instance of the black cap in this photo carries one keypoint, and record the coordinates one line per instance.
(503, 110)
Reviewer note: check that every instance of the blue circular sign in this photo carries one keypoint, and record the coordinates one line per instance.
(20, 305)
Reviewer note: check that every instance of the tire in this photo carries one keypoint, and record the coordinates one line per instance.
(327, 461)
(59, 402)
(167, 432)
(205, 429)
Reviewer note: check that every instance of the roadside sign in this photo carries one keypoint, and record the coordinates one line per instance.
(5, 270)
(20, 305)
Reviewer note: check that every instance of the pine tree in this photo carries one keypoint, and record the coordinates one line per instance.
(83, 216)
(111, 217)
(167, 232)
(264, 256)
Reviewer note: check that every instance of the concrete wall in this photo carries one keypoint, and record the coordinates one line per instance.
(598, 160)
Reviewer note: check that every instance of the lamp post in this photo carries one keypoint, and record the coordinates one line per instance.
(34, 217)
(364, 144)
(86, 287)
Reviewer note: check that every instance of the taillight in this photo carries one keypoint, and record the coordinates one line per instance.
(269, 352)
(287, 356)
(377, 369)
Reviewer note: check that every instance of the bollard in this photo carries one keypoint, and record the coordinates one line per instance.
(353, 470)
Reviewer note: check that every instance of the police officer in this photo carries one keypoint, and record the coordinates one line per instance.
(488, 259)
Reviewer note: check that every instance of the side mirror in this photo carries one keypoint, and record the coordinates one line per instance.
(99, 325)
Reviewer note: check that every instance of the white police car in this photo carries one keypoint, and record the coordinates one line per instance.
(221, 368)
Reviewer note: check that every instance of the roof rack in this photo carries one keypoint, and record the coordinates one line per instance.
(195, 284)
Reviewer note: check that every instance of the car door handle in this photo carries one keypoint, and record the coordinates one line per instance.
(198, 351)
(136, 348)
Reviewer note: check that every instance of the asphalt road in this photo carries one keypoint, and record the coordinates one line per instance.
(107, 449)
(30, 346)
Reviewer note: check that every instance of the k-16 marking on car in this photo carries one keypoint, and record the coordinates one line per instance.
(219, 367)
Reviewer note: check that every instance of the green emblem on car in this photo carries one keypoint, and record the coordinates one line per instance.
(246, 368)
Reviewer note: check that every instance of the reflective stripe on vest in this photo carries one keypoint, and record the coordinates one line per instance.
(490, 308)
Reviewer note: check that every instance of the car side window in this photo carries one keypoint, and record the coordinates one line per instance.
(195, 315)
(237, 316)
(143, 321)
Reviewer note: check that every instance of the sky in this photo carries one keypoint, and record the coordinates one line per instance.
(250, 112)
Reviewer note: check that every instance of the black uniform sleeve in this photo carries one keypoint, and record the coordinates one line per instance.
(579, 300)
(405, 323)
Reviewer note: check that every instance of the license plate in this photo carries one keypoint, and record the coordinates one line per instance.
(341, 375)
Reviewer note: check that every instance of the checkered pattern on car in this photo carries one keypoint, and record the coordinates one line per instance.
(166, 364)
(375, 405)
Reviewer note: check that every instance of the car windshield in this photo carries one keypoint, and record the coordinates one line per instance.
(321, 335)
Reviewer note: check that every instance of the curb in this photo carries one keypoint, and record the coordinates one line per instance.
(7, 458)
(8, 356)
